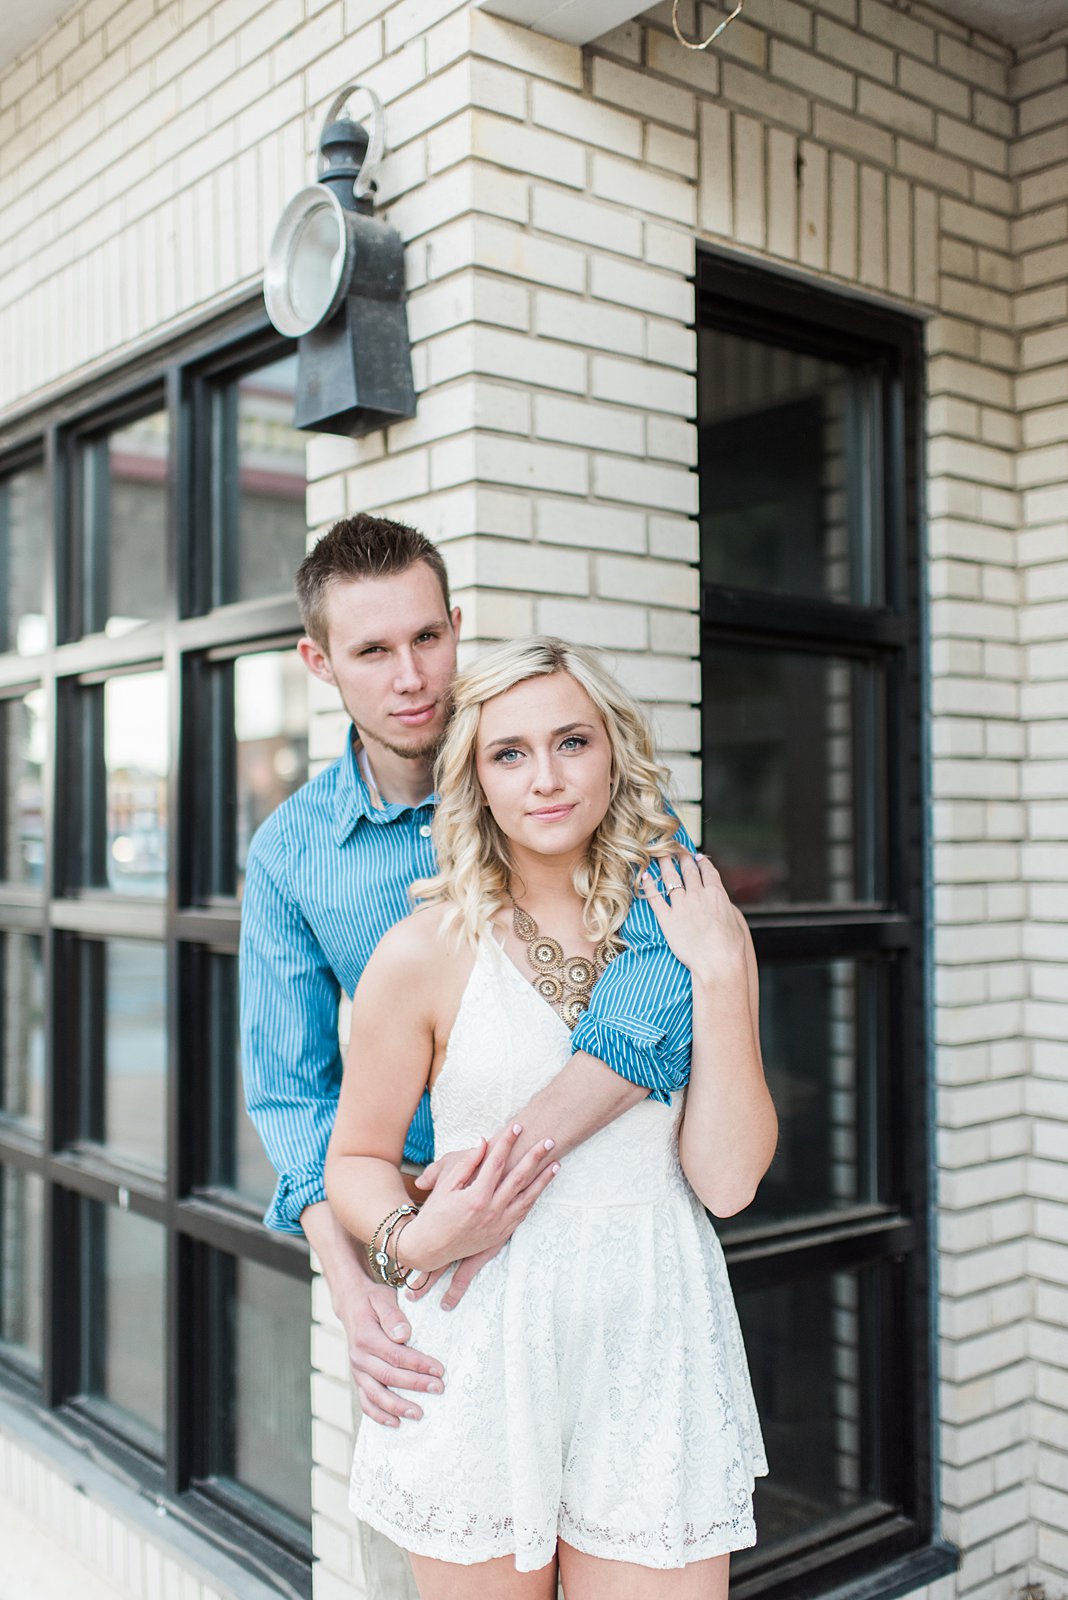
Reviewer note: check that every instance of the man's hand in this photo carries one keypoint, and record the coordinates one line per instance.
(477, 1201)
(377, 1332)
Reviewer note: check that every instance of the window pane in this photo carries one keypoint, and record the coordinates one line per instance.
(263, 1412)
(21, 1265)
(22, 730)
(793, 756)
(812, 1347)
(237, 1159)
(22, 1014)
(271, 729)
(123, 1366)
(125, 1034)
(124, 521)
(819, 1033)
(23, 537)
(262, 526)
(788, 472)
(136, 761)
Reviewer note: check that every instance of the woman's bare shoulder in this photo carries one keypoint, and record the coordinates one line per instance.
(414, 940)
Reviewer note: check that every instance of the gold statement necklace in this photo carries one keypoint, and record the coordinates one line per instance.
(565, 981)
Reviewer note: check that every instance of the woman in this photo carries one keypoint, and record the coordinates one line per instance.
(598, 1409)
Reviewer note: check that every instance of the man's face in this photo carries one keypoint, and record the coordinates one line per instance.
(392, 656)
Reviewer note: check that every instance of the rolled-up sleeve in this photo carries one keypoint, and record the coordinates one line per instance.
(640, 1018)
(290, 1056)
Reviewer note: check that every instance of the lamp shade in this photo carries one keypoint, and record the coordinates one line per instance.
(309, 262)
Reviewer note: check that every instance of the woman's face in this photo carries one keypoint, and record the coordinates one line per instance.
(545, 764)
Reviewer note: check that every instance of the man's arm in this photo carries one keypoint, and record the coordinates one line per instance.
(292, 1069)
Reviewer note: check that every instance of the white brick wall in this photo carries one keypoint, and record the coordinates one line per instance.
(549, 198)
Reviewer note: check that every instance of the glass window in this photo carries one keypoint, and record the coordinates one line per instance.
(135, 993)
(22, 1021)
(22, 753)
(123, 1367)
(814, 1351)
(123, 733)
(237, 1158)
(811, 754)
(122, 487)
(792, 775)
(21, 1265)
(263, 1421)
(810, 526)
(261, 526)
(124, 1040)
(23, 536)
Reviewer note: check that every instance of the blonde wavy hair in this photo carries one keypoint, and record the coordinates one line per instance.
(474, 865)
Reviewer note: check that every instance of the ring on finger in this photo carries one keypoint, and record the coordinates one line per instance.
(669, 888)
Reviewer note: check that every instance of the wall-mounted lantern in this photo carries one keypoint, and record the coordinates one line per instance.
(334, 281)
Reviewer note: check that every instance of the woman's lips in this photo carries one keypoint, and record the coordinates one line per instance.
(417, 716)
(551, 813)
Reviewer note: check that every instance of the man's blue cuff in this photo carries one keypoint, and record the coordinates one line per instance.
(634, 1049)
(290, 1198)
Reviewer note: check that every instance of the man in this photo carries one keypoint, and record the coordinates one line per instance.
(328, 873)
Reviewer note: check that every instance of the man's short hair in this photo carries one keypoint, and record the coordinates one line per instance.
(360, 547)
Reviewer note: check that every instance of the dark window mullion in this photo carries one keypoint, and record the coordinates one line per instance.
(740, 616)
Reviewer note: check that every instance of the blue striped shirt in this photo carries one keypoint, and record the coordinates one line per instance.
(327, 875)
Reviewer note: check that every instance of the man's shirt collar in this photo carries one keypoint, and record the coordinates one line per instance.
(353, 801)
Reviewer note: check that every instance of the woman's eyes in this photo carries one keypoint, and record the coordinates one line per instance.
(574, 741)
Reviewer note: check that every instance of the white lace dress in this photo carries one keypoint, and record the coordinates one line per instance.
(596, 1386)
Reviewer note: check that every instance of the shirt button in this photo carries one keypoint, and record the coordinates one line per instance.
(424, 831)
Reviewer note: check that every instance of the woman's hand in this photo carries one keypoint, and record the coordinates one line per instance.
(697, 919)
(476, 1203)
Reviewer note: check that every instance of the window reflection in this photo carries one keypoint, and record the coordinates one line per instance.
(123, 1368)
(271, 729)
(237, 1158)
(23, 732)
(819, 1023)
(792, 793)
(22, 1021)
(262, 526)
(807, 527)
(124, 1077)
(137, 762)
(263, 1422)
(124, 521)
(21, 1265)
(23, 537)
(813, 1356)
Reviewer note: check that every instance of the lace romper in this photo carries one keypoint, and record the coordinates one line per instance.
(596, 1385)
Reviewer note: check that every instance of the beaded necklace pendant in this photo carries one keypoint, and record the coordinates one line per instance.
(565, 981)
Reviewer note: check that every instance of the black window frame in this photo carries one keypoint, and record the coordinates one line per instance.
(197, 1219)
(896, 1549)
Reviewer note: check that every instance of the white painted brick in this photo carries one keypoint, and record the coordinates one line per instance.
(581, 422)
(529, 52)
(607, 627)
(639, 384)
(590, 526)
(676, 152)
(649, 97)
(507, 250)
(586, 120)
(586, 221)
(749, 167)
(656, 292)
(634, 185)
(715, 192)
(813, 73)
(642, 579)
(528, 150)
(757, 93)
(604, 327)
(642, 483)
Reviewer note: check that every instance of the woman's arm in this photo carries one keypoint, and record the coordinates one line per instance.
(729, 1129)
(397, 1015)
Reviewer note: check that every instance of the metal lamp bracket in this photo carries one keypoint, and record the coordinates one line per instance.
(376, 143)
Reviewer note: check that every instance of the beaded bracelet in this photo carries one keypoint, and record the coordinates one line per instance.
(377, 1254)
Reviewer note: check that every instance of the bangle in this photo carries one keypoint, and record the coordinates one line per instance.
(400, 1275)
(377, 1253)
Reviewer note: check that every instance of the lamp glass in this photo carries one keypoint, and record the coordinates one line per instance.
(316, 261)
